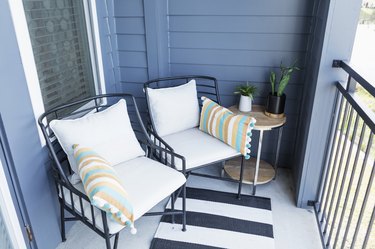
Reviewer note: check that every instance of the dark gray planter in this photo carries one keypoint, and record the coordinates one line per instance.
(275, 104)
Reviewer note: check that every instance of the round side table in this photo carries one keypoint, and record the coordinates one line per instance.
(257, 171)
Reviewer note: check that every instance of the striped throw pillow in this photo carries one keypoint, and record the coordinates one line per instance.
(234, 130)
(103, 187)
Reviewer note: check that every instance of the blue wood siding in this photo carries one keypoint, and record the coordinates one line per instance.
(243, 41)
(242, 7)
(233, 41)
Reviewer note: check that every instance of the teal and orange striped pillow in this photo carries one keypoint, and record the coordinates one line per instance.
(103, 187)
(234, 130)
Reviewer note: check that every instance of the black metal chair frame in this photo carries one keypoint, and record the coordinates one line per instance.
(203, 89)
(61, 167)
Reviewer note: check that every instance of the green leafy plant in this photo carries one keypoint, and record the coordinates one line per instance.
(286, 73)
(246, 90)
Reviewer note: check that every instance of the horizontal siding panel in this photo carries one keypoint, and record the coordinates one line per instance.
(236, 24)
(134, 88)
(131, 42)
(241, 7)
(291, 106)
(234, 57)
(133, 74)
(128, 8)
(132, 59)
(267, 42)
(292, 91)
(229, 73)
(130, 25)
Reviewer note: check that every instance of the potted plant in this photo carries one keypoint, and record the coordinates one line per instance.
(247, 93)
(276, 98)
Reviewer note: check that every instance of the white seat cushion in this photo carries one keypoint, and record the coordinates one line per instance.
(146, 181)
(198, 148)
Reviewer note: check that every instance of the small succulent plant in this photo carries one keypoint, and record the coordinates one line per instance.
(286, 73)
(246, 90)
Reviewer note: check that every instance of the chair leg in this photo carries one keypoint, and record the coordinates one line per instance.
(184, 208)
(241, 177)
(172, 205)
(106, 230)
(107, 242)
(116, 240)
(62, 222)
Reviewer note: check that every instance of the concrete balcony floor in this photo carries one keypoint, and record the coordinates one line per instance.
(294, 228)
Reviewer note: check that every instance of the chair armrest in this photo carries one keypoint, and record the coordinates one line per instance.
(173, 155)
(158, 151)
(158, 141)
(69, 187)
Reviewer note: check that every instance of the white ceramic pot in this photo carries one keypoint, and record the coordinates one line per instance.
(245, 104)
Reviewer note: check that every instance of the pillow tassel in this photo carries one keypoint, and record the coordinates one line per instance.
(248, 145)
(133, 230)
(248, 138)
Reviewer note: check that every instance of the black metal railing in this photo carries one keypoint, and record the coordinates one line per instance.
(345, 208)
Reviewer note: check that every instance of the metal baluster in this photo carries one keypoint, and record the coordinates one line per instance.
(344, 176)
(355, 164)
(369, 143)
(338, 148)
(369, 228)
(339, 167)
(363, 207)
(328, 162)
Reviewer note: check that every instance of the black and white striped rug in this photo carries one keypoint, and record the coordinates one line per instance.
(217, 220)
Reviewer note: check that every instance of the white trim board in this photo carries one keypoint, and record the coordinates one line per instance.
(27, 58)
(9, 213)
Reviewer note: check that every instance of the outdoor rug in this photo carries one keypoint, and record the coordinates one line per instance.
(218, 220)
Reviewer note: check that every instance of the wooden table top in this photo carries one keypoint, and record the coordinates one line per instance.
(263, 121)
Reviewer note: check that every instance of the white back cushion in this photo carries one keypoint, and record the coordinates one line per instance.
(174, 109)
(108, 131)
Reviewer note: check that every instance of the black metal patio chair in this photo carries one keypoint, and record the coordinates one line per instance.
(204, 150)
(72, 198)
